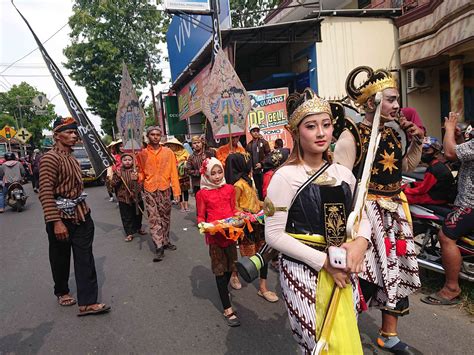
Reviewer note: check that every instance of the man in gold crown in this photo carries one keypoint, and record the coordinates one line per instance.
(391, 269)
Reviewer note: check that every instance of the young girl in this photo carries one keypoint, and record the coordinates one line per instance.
(127, 198)
(216, 200)
(307, 204)
(238, 173)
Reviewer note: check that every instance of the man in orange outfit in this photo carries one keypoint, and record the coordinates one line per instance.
(232, 147)
(157, 171)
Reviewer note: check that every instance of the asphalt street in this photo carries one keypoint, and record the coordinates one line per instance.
(167, 307)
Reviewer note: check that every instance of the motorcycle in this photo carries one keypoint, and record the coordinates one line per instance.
(427, 221)
(16, 197)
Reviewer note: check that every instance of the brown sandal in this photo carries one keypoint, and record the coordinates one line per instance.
(89, 310)
(66, 300)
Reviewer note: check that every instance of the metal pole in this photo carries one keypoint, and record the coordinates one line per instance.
(162, 108)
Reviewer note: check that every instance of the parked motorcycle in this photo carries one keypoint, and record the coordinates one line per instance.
(16, 197)
(427, 221)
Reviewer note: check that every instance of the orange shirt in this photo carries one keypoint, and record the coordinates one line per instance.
(223, 152)
(157, 170)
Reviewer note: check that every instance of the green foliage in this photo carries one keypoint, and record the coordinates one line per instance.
(23, 94)
(106, 33)
(248, 13)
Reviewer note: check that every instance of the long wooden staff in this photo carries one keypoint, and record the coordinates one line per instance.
(353, 222)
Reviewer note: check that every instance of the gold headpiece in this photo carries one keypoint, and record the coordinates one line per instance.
(308, 103)
(376, 81)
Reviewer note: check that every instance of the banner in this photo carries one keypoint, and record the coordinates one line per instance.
(96, 150)
(225, 103)
(130, 116)
(269, 112)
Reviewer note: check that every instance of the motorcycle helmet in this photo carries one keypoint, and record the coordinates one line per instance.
(10, 156)
(432, 142)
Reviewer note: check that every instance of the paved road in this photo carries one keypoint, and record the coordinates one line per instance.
(167, 307)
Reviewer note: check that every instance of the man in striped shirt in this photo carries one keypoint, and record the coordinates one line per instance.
(193, 165)
(68, 227)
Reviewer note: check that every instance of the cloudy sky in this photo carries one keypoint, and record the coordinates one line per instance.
(45, 17)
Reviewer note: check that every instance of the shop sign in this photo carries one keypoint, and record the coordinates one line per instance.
(187, 36)
(175, 126)
(191, 6)
(190, 97)
(269, 112)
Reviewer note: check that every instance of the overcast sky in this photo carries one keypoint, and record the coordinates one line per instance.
(45, 17)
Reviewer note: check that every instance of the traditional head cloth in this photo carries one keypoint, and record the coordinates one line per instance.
(205, 171)
(63, 123)
(123, 155)
(301, 105)
(153, 128)
(376, 81)
(238, 166)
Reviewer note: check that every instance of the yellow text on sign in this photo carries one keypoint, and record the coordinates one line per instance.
(257, 117)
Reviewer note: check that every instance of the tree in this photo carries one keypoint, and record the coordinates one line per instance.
(20, 97)
(251, 13)
(106, 33)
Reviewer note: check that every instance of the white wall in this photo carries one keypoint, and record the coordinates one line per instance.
(348, 42)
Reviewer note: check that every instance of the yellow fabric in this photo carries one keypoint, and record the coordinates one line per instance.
(406, 207)
(248, 197)
(181, 155)
(340, 331)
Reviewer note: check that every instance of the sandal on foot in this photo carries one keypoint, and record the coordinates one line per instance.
(129, 238)
(436, 300)
(399, 347)
(89, 310)
(66, 300)
(235, 283)
(232, 322)
(268, 295)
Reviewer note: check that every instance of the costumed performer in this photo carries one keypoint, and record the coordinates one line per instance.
(307, 204)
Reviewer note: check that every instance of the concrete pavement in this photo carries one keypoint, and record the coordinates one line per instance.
(167, 307)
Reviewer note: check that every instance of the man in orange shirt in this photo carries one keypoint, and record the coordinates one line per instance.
(232, 147)
(157, 171)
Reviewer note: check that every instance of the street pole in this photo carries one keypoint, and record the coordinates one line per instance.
(155, 112)
(162, 108)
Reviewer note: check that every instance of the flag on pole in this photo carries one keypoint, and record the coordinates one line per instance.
(226, 104)
(98, 154)
(130, 116)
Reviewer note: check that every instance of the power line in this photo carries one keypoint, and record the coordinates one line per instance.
(26, 55)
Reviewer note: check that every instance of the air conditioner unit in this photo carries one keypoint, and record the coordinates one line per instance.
(418, 78)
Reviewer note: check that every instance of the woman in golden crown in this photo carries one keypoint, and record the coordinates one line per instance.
(307, 203)
(391, 270)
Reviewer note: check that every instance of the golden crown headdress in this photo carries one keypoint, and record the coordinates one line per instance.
(301, 105)
(376, 81)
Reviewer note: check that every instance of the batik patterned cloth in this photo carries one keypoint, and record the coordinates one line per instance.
(396, 276)
(158, 207)
(299, 284)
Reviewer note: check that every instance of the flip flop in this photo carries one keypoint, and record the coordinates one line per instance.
(90, 311)
(436, 300)
(66, 300)
(129, 238)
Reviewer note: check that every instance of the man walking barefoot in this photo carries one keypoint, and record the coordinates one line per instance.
(157, 171)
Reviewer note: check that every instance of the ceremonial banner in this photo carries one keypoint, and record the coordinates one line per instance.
(130, 116)
(269, 113)
(225, 102)
(96, 150)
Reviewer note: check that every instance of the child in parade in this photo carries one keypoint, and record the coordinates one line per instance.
(307, 205)
(124, 181)
(238, 169)
(216, 200)
(182, 156)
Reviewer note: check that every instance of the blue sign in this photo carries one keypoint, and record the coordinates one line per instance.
(186, 38)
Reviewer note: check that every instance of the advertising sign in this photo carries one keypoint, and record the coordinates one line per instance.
(186, 38)
(190, 97)
(195, 6)
(175, 126)
(269, 112)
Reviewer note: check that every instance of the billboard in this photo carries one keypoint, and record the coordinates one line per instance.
(190, 96)
(187, 37)
(269, 112)
(194, 6)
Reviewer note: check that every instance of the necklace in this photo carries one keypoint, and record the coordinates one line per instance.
(311, 172)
